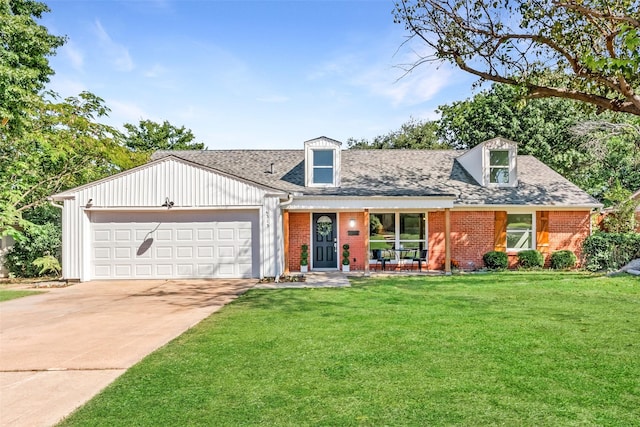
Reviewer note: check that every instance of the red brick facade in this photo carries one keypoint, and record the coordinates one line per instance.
(299, 234)
(472, 235)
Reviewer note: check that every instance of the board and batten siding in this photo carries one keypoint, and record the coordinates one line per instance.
(148, 187)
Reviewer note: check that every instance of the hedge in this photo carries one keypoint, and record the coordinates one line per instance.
(563, 260)
(530, 259)
(610, 251)
(495, 260)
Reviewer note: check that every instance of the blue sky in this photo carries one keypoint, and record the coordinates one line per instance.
(249, 74)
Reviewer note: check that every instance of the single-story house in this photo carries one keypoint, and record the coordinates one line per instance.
(247, 213)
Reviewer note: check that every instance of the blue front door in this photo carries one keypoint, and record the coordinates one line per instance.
(324, 241)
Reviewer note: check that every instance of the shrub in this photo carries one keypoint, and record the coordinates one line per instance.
(562, 260)
(610, 251)
(530, 259)
(40, 241)
(345, 254)
(496, 260)
(304, 255)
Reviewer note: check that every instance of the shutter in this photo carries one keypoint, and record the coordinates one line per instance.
(542, 231)
(500, 230)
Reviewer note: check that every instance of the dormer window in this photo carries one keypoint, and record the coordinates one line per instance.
(323, 166)
(499, 166)
(492, 163)
(322, 162)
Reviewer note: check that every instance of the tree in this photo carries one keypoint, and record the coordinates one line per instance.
(150, 136)
(412, 134)
(60, 146)
(585, 50)
(540, 126)
(24, 68)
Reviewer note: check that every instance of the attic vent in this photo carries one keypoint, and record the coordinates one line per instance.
(271, 169)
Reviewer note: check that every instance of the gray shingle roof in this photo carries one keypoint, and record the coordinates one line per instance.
(393, 173)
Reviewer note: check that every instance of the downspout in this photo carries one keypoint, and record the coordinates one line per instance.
(279, 266)
(53, 203)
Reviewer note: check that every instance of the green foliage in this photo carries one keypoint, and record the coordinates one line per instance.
(496, 260)
(610, 251)
(24, 67)
(530, 259)
(149, 136)
(304, 255)
(62, 146)
(621, 219)
(345, 254)
(413, 134)
(563, 260)
(40, 241)
(48, 264)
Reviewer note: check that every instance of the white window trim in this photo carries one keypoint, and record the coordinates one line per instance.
(512, 168)
(312, 168)
(534, 243)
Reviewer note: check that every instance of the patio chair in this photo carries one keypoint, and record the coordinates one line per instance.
(419, 259)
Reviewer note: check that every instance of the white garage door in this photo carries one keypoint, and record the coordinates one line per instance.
(173, 244)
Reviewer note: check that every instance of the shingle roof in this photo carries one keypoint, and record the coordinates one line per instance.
(393, 173)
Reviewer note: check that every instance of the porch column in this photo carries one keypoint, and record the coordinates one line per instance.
(447, 241)
(366, 242)
(285, 233)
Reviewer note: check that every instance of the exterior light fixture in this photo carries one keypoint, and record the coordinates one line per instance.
(167, 203)
(352, 223)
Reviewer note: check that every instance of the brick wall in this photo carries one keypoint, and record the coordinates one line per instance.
(567, 230)
(299, 234)
(471, 237)
(357, 248)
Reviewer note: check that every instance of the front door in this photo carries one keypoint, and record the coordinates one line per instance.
(324, 241)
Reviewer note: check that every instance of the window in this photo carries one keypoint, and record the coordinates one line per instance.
(397, 231)
(519, 231)
(499, 166)
(323, 166)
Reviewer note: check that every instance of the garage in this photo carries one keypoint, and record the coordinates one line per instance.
(174, 244)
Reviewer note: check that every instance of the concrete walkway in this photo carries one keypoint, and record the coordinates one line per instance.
(316, 279)
(59, 349)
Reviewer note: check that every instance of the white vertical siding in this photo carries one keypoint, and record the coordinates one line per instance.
(185, 185)
(271, 236)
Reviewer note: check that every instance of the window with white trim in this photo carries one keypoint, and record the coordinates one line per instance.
(499, 166)
(520, 231)
(323, 166)
(396, 230)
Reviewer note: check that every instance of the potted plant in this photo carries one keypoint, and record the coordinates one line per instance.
(304, 258)
(345, 257)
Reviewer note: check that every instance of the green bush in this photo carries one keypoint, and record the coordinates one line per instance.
(40, 241)
(345, 254)
(610, 251)
(496, 260)
(562, 260)
(530, 259)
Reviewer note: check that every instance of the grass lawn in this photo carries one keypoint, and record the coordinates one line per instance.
(490, 349)
(7, 294)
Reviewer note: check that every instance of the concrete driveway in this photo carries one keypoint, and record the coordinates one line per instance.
(59, 349)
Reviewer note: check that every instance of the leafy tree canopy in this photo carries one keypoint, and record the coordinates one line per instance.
(149, 136)
(585, 50)
(61, 146)
(412, 134)
(24, 67)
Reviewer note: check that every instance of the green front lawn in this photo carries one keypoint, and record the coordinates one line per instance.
(491, 349)
(8, 294)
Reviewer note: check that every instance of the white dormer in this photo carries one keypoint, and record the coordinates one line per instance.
(322, 162)
(493, 163)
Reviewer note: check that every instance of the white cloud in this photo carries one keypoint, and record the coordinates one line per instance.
(117, 53)
(156, 70)
(66, 87)
(73, 54)
(127, 112)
